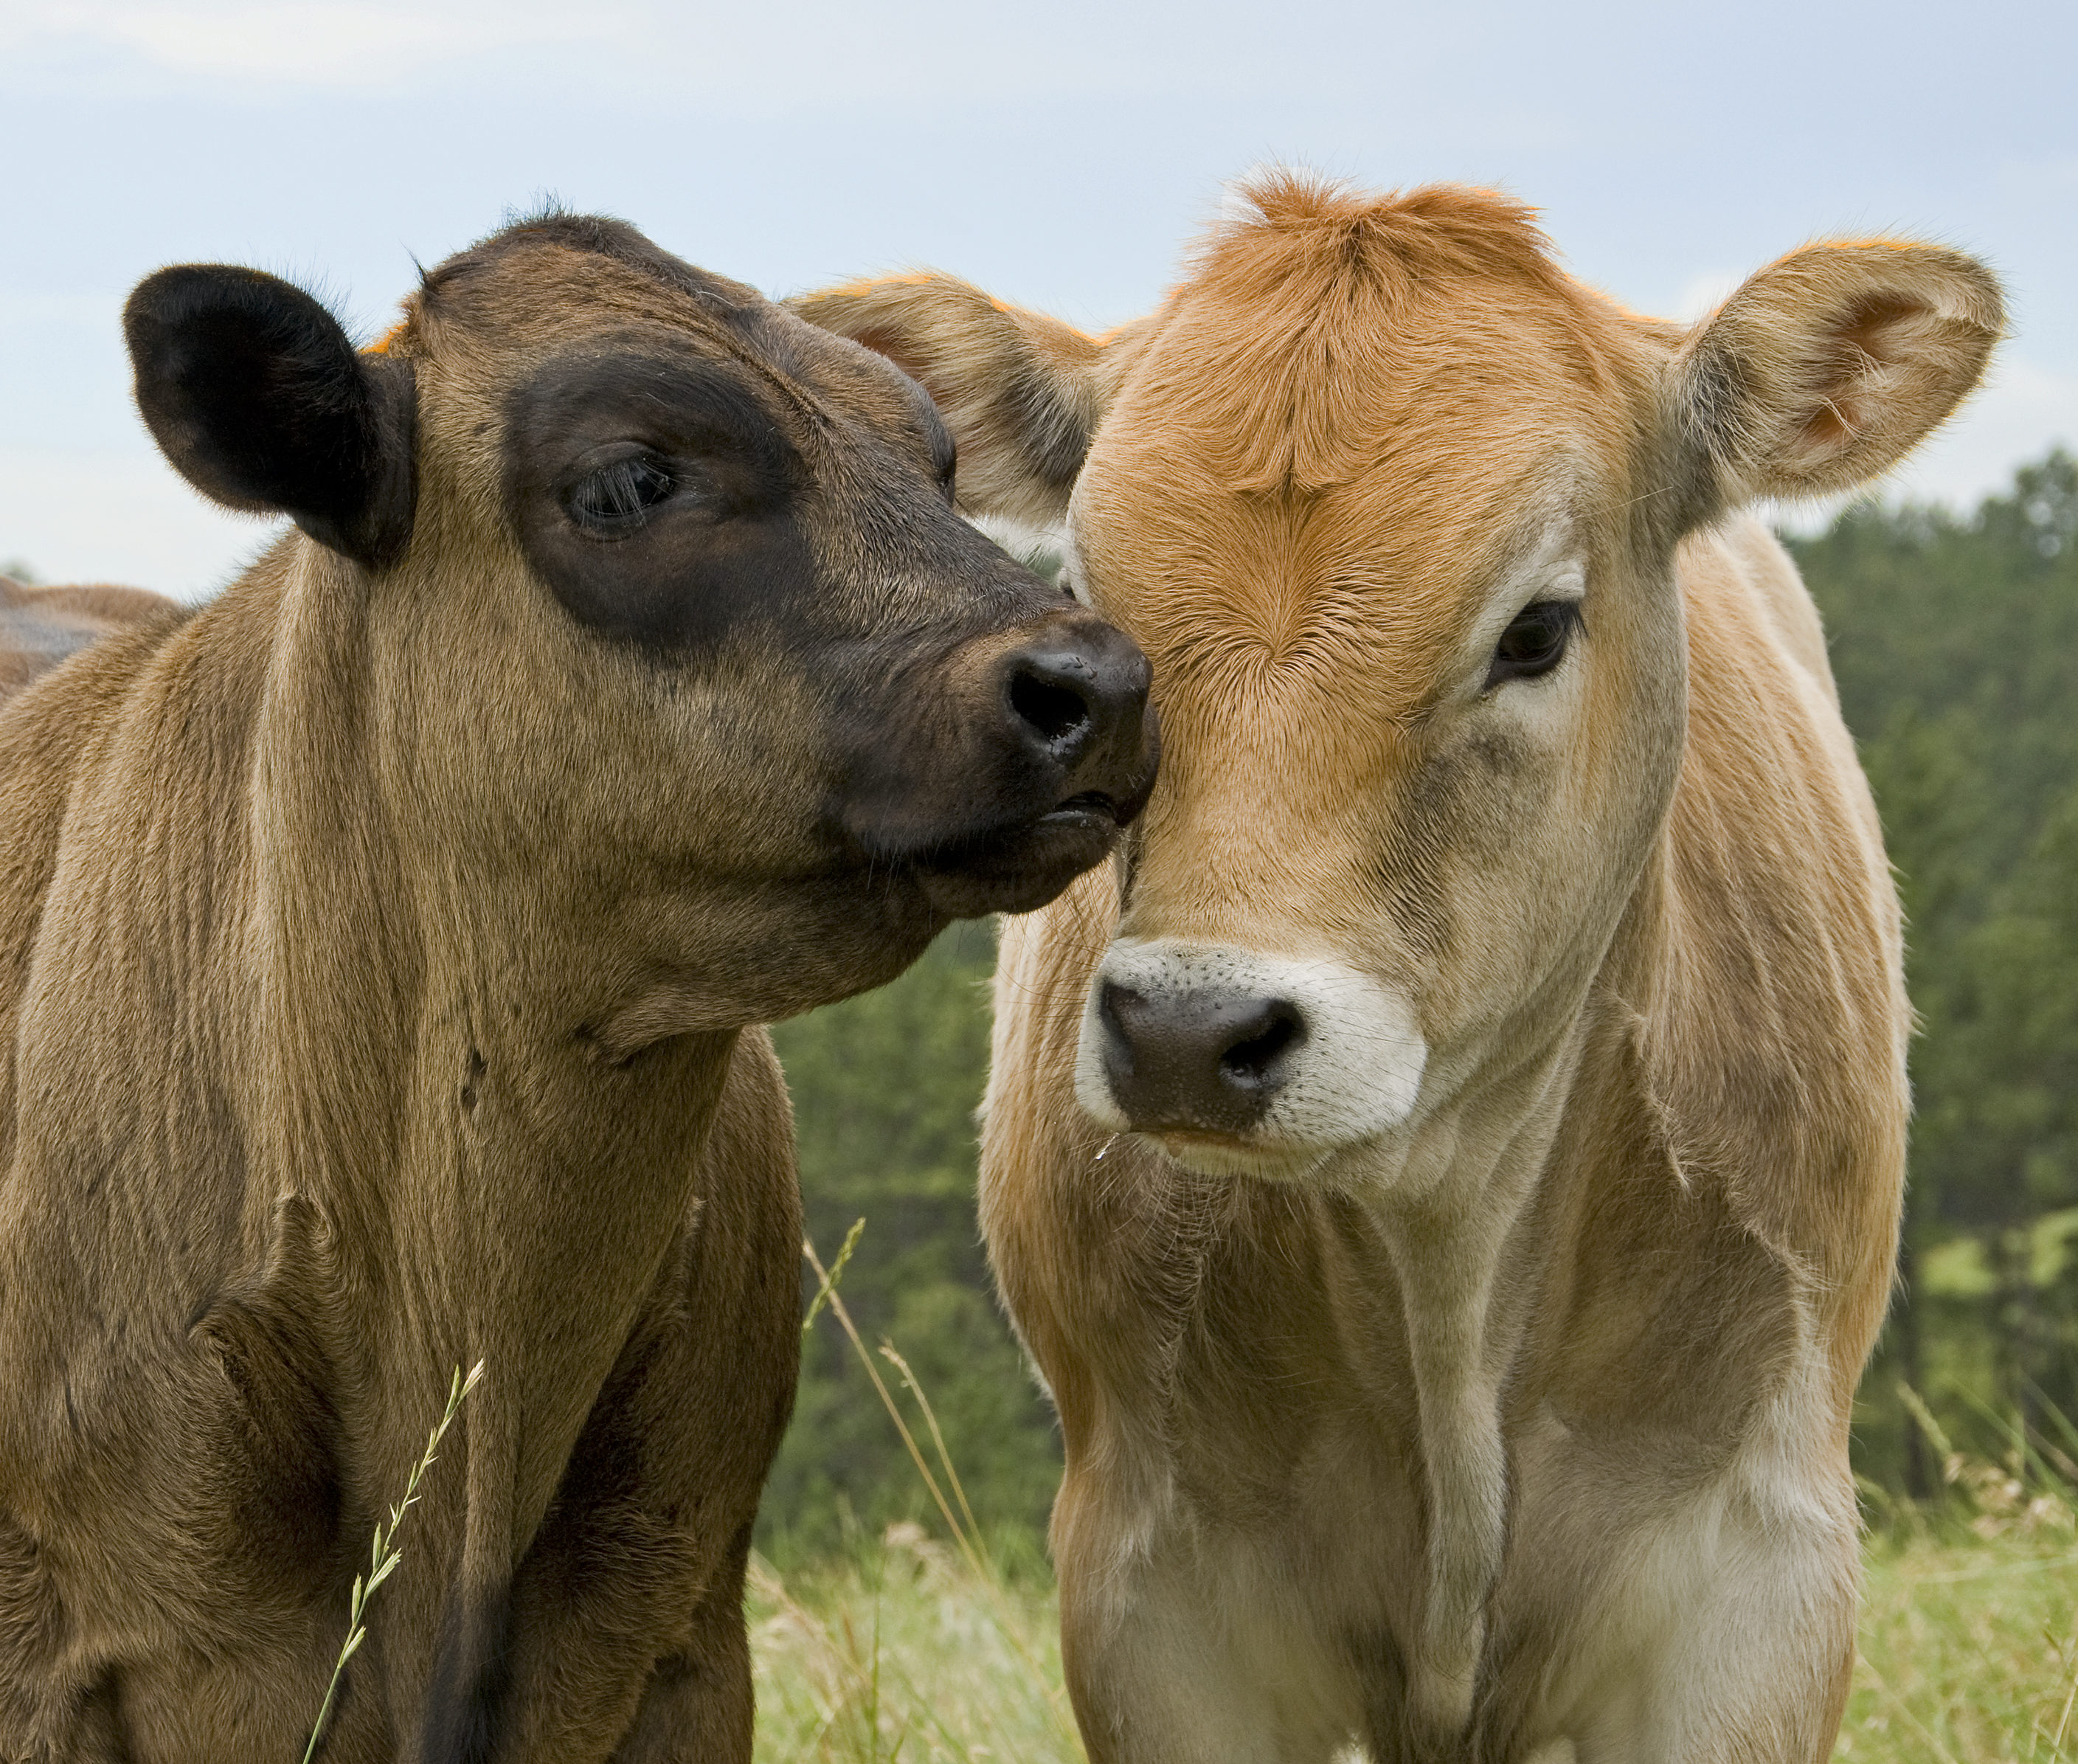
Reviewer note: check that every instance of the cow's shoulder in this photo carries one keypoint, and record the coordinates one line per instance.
(1772, 1011)
(48, 732)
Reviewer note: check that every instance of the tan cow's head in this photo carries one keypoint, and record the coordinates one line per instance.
(1392, 502)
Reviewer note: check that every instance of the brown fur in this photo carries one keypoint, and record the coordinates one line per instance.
(381, 952)
(1518, 1430)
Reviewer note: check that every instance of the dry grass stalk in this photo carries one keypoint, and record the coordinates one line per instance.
(383, 1554)
(968, 1546)
(966, 1538)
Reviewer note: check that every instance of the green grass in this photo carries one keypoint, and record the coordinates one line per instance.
(906, 1652)
(1969, 1643)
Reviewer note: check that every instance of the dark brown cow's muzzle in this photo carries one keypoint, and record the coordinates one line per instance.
(1052, 749)
(1078, 702)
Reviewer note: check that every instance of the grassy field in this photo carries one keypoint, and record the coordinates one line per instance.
(1968, 1651)
(906, 1654)
(1969, 1646)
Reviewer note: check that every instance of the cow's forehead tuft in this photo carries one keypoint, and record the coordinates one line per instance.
(1317, 329)
(545, 235)
(1323, 228)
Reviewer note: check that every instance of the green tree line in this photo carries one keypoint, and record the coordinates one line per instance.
(1954, 639)
(885, 1089)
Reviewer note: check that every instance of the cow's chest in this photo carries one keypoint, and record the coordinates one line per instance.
(1291, 1541)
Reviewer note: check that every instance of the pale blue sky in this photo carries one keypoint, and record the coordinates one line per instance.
(1062, 155)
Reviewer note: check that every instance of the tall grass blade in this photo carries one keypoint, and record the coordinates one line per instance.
(1923, 1418)
(826, 1287)
(383, 1555)
(843, 1316)
(937, 1439)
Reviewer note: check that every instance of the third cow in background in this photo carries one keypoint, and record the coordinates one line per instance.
(1447, 1168)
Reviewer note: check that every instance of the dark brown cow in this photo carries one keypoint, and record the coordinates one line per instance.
(380, 945)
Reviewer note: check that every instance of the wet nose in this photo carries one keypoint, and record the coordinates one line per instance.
(1206, 1061)
(1077, 700)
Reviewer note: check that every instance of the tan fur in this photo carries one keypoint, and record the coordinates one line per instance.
(162, 1592)
(1519, 1430)
(379, 952)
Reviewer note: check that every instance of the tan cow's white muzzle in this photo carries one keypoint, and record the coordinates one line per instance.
(1239, 1063)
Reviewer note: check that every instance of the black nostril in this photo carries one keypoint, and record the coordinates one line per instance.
(1250, 1063)
(1113, 1001)
(1196, 1059)
(1049, 703)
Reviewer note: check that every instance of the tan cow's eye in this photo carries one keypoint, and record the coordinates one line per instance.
(1535, 641)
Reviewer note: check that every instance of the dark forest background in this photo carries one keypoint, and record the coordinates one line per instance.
(1955, 638)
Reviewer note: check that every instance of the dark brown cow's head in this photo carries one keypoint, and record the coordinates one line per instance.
(661, 584)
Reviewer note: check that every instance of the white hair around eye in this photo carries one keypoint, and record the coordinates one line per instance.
(1071, 577)
(1049, 551)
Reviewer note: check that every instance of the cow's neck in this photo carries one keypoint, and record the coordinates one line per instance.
(510, 1184)
(331, 1080)
(1453, 1206)
(1446, 1211)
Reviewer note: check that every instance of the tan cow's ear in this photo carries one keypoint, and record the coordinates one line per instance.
(1021, 393)
(1827, 367)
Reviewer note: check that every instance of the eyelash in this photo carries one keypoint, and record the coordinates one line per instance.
(618, 497)
(1552, 624)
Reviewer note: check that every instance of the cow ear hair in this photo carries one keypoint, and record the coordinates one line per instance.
(257, 396)
(1021, 393)
(1825, 369)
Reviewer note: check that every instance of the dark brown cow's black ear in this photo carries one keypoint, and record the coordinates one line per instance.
(261, 401)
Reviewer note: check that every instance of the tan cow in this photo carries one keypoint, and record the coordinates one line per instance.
(40, 627)
(377, 949)
(1447, 1168)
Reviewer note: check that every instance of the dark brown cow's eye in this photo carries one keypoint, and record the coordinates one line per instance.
(617, 497)
(1535, 641)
